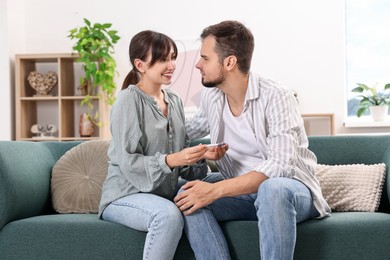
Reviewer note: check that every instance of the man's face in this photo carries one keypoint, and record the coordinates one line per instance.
(210, 67)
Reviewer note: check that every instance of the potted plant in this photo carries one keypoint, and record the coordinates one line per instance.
(373, 99)
(95, 46)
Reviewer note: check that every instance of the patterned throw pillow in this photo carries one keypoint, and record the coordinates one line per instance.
(353, 187)
(78, 176)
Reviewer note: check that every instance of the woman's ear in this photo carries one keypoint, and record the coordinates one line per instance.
(139, 65)
(230, 62)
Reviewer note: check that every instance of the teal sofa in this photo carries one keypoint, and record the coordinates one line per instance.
(30, 229)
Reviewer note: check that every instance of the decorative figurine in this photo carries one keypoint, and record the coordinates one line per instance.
(42, 84)
(50, 130)
(39, 131)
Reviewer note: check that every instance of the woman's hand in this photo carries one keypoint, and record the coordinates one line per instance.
(187, 156)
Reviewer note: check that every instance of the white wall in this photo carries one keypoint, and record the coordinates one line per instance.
(12, 40)
(299, 43)
(5, 96)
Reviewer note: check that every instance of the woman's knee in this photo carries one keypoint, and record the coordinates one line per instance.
(170, 216)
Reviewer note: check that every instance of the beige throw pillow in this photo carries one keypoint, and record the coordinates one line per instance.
(78, 176)
(354, 187)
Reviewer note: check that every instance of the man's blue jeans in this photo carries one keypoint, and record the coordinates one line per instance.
(279, 205)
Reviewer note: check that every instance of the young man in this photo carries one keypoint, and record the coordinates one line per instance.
(268, 170)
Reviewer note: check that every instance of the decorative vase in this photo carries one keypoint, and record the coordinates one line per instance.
(86, 126)
(379, 113)
(86, 88)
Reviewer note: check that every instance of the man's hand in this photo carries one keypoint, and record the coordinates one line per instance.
(196, 195)
(216, 153)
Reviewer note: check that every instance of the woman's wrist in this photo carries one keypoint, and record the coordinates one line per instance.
(170, 160)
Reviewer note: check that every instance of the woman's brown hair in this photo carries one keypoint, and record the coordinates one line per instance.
(157, 44)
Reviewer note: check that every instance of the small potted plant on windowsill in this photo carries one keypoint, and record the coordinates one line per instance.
(372, 99)
(95, 46)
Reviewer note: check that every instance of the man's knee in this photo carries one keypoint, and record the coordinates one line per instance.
(271, 192)
(270, 187)
(213, 177)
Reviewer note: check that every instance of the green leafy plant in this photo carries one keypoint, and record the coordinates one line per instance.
(371, 96)
(95, 46)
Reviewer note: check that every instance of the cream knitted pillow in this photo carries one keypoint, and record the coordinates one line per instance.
(353, 187)
(78, 176)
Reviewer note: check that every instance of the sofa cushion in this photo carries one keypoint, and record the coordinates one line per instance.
(344, 235)
(75, 236)
(353, 187)
(78, 176)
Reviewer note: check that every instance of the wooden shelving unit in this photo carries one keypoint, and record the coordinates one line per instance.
(62, 107)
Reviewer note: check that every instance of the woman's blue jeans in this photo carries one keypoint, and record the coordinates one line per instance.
(159, 217)
(279, 205)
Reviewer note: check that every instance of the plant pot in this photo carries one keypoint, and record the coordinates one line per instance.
(86, 127)
(379, 113)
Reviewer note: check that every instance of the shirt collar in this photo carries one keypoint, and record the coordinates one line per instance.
(149, 98)
(253, 91)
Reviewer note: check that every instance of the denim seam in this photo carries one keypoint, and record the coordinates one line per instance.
(220, 245)
(151, 235)
(124, 204)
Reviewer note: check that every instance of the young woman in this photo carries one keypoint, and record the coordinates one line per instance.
(148, 149)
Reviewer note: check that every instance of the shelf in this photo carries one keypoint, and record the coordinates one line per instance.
(61, 107)
(38, 98)
(80, 138)
(79, 98)
(40, 139)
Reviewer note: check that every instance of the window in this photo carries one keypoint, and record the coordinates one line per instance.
(368, 45)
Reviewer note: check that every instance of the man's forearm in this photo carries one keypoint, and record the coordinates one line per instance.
(244, 184)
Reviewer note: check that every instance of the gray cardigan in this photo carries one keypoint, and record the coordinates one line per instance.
(141, 138)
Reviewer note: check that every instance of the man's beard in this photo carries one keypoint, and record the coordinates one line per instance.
(214, 83)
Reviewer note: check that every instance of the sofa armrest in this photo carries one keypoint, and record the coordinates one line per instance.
(25, 169)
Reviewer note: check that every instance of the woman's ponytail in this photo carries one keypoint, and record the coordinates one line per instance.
(131, 78)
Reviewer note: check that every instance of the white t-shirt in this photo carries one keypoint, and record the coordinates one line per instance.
(242, 146)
